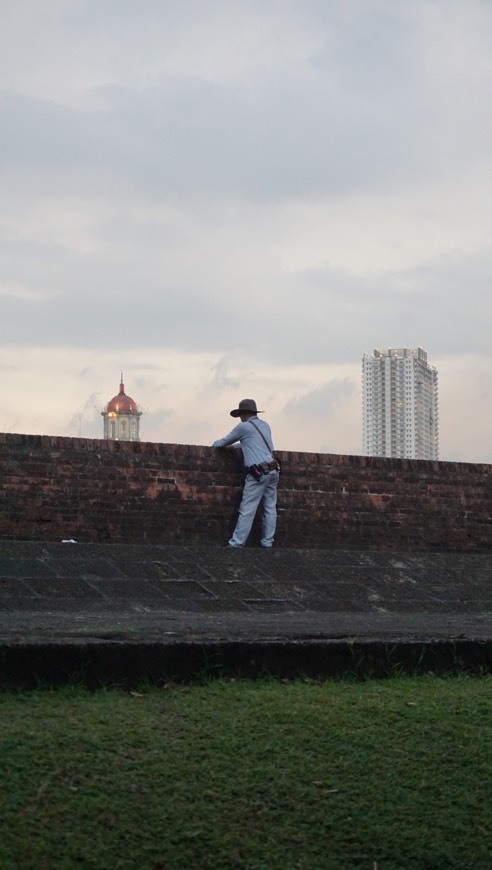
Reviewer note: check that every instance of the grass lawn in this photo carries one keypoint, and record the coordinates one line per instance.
(377, 775)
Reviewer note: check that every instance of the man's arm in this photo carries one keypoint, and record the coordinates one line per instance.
(231, 438)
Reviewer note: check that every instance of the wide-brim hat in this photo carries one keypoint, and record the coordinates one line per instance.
(246, 406)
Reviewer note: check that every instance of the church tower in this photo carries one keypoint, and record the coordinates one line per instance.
(121, 417)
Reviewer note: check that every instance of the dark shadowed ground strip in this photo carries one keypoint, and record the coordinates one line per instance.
(281, 610)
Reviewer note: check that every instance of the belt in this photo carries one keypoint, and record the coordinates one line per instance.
(262, 468)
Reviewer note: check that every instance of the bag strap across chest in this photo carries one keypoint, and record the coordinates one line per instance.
(270, 448)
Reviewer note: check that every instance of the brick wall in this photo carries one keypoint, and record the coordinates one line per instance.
(55, 487)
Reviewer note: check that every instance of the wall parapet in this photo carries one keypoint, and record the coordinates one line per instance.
(56, 487)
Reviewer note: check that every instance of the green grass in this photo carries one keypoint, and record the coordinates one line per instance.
(379, 774)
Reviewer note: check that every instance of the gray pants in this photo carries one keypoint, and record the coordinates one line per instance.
(253, 493)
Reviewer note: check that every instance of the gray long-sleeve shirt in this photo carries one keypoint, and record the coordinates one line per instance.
(252, 444)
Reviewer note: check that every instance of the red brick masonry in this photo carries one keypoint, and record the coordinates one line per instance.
(93, 490)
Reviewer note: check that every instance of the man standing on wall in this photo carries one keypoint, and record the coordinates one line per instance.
(262, 473)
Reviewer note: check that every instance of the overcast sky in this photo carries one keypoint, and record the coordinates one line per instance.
(238, 198)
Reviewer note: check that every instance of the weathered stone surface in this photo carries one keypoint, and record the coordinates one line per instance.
(318, 585)
(125, 613)
(106, 491)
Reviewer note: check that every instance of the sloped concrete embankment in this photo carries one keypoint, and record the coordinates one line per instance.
(122, 614)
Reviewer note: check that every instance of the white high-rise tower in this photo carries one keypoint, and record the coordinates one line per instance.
(399, 404)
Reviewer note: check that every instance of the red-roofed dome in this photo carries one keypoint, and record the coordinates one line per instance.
(122, 404)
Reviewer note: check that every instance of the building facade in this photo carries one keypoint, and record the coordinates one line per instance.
(400, 404)
(122, 417)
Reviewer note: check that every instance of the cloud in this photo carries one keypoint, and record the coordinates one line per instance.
(241, 199)
(350, 110)
(324, 401)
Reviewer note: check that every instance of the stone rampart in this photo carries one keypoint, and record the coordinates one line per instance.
(55, 488)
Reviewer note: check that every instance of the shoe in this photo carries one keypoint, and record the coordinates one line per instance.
(233, 546)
